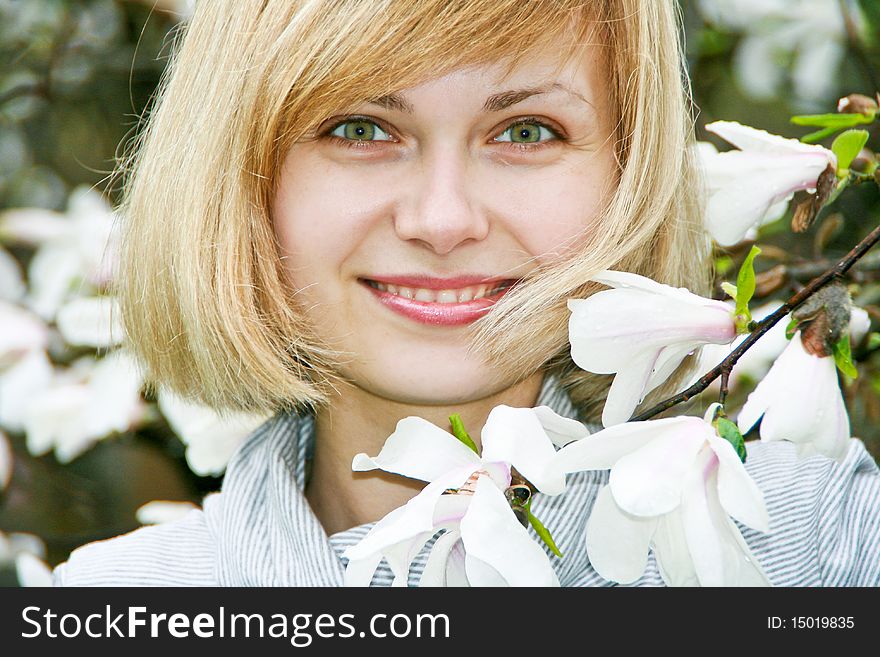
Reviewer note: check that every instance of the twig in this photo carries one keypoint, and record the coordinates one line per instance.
(765, 325)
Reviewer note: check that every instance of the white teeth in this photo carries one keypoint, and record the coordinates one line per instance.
(462, 295)
(447, 296)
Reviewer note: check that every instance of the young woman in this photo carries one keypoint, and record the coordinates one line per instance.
(353, 212)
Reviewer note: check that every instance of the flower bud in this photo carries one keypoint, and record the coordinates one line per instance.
(823, 318)
(806, 210)
(857, 104)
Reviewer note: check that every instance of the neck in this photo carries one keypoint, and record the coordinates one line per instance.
(358, 421)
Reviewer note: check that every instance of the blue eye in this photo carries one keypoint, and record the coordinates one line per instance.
(360, 130)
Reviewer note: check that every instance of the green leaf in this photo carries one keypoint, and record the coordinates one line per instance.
(791, 328)
(819, 135)
(729, 289)
(834, 120)
(843, 357)
(730, 432)
(459, 432)
(745, 289)
(847, 146)
(873, 340)
(542, 531)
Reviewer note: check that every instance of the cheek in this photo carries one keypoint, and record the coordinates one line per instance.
(319, 217)
(555, 209)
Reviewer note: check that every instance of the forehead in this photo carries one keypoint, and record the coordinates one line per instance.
(573, 79)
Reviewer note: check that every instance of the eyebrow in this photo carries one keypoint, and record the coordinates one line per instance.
(494, 103)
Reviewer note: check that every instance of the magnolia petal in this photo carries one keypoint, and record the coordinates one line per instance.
(491, 533)
(748, 186)
(627, 391)
(516, 436)
(561, 430)
(720, 559)
(617, 542)
(419, 450)
(210, 438)
(53, 272)
(12, 287)
(20, 332)
(671, 550)
(859, 324)
(91, 322)
(668, 360)
(648, 481)
(768, 390)
(434, 573)
(625, 279)
(54, 417)
(400, 556)
(613, 327)
(359, 572)
(115, 404)
(28, 377)
(481, 574)
(603, 449)
(32, 571)
(414, 517)
(33, 226)
(158, 512)
(738, 493)
(747, 138)
(802, 402)
(456, 568)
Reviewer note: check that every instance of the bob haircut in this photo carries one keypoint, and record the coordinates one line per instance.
(204, 298)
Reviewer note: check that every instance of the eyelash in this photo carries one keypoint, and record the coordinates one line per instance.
(362, 144)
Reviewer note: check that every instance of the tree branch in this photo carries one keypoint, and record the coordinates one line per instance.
(765, 325)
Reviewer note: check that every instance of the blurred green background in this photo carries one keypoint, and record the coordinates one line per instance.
(76, 75)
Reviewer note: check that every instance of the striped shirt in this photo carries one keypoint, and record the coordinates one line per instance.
(260, 531)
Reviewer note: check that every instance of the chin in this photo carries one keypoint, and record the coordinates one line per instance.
(434, 388)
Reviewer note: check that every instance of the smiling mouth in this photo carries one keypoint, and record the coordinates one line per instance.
(451, 296)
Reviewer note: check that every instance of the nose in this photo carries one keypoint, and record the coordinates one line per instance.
(441, 212)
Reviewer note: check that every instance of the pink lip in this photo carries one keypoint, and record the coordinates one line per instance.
(436, 314)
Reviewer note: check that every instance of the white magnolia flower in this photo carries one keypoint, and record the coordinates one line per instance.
(673, 484)
(484, 544)
(16, 543)
(12, 287)
(75, 251)
(750, 186)
(91, 322)
(161, 511)
(800, 39)
(32, 571)
(20, 333)
(859, 324)
(5, 461)
(800, 401)
(642, 331)
(26, 553)
(19, 384)
(210, 438)
(82, 405)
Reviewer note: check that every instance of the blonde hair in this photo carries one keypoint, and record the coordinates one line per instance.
(202, 287)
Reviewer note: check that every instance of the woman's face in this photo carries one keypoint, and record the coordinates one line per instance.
(402, 223)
